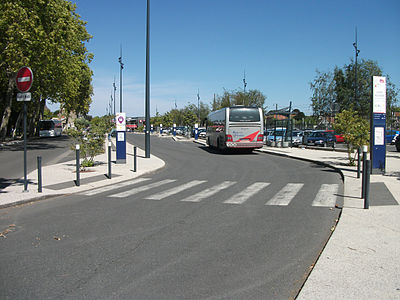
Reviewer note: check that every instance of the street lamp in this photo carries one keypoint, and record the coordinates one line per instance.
(147, 96)
(115, 88)
(120, 80)
(357, 52)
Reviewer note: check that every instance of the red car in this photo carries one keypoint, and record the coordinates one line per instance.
(339, 137)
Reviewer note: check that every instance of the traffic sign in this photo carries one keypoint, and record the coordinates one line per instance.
(24, 79)
(121, 121)
(24, 97)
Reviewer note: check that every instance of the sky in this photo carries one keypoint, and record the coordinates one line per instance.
(206, 46)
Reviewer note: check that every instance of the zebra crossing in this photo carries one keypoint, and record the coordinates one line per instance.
(325, 197)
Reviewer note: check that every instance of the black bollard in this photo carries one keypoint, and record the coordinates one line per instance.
(78, 180)
(367, 184)
(134, 159)
(109, 160)
(365, 151)
(39, 167)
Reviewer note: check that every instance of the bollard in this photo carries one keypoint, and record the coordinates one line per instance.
(109, 160)
(367, 184)
(365, 151)
(134, 159)
(39, 167)
(358, 162)
(78, 180)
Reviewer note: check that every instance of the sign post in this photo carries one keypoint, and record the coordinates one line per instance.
(120, 120)
(24, 80)
(378, 125)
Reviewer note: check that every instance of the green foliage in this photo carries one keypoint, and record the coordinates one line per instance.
(354, 129)
(90, 137)
(337, 89)
(248, 98)
(49, 37)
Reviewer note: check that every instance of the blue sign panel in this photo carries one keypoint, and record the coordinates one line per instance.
(121, 147)
(378, 125)
(378, 143)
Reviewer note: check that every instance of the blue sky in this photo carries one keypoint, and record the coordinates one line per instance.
(206, 45)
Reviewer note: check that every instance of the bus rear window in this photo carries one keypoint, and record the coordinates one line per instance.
(244, 115)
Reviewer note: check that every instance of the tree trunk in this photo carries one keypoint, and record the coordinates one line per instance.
(18, 124)
(7, 110)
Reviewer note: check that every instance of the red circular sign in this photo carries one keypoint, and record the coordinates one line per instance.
(24, 79)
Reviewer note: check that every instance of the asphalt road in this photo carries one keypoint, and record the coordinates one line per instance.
(168, 242)
(52, 150)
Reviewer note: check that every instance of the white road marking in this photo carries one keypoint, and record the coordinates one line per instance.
(326, 195)
(142, 188)
(285, 195)
(175, 190)
(247, 193)
(209, 192)
(114, 186)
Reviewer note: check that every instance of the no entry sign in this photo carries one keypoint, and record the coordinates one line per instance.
(24, 79)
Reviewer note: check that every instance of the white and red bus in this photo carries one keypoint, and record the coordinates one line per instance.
(235, 127)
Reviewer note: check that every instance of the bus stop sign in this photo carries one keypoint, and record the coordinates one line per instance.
(24, 79)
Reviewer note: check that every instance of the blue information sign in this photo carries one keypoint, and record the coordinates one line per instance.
(378, 125)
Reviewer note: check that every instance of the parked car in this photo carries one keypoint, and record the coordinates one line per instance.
(390, 134)
(321, 138)
(397, 143)
(297, 137)
(339, 137)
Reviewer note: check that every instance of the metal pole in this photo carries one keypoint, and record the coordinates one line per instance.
(39, 167)
(120, 80)
(25, 169)
(134, 159)
(78, 180)
(367, 184)
(364, 165)
(355, 85)
(109, 160)
(147, 134)
(358, 162)
(115, 88)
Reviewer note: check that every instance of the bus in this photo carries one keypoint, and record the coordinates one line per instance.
(236, 127)
(50, 128)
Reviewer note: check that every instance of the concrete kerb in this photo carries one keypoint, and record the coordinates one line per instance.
(63, 175)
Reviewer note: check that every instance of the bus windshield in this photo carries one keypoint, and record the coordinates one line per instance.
(46, 125)
(244, 115)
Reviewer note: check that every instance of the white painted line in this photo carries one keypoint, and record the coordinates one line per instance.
(114, 186)
(175, 190)
(285, 195)
(209, 192)
(142, 188)
(247, 193)
(326, 195)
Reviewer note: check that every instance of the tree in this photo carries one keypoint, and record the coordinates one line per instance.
(338, 89)
(49, 37)
(354, 129)
(323, 97)
(90, 136)
(249, 98)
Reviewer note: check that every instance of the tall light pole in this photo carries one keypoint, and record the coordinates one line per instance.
(115, 88)
(355, 85)
(147, 134)
(120, 79)
(244, 85)
(198, 103)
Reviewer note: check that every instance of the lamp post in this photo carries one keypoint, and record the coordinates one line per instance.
(147, 108)
(120, 80)
(115, 88)
(357, 52)
(198, 103)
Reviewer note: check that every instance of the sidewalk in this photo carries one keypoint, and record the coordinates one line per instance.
(59, 179)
